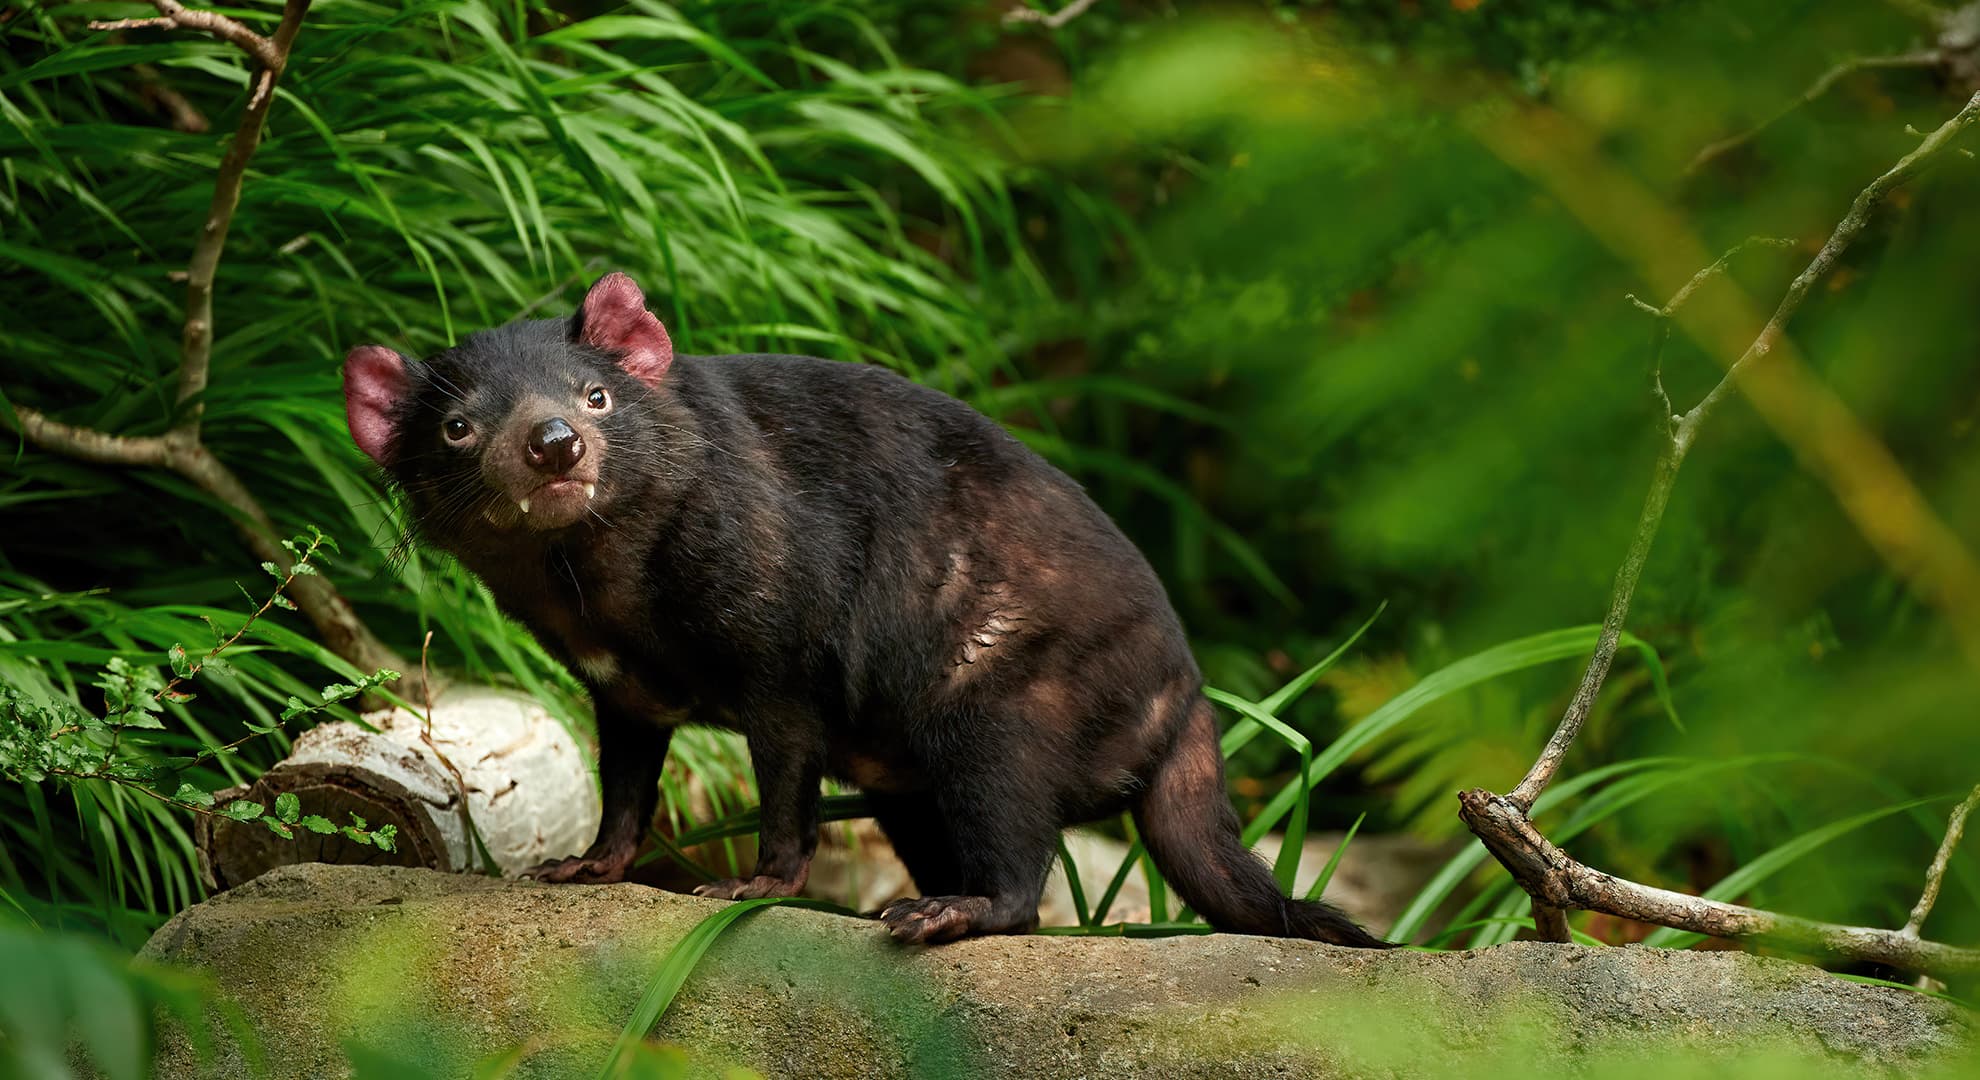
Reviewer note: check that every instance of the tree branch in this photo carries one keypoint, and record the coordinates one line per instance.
(1053, 21)
(196, 347)
(176, 16)
(1685, 431)
(181, 449)
(1840, 238)
(1935, 875)
(331, 615)
(1822, 85)
(1556, 882)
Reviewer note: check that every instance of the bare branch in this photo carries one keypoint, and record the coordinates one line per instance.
(1610, 638)
(1685, 432)
(1555, 880)
(1844, 234)
(1822, 85)
(1055, 20)
(1719, 266)
(88, 444)
(196, 345)
(1935, 875)
(174, 15)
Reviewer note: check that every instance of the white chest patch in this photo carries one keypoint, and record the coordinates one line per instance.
(600, 667)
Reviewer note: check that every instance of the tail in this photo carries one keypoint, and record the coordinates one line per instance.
(1185, 818)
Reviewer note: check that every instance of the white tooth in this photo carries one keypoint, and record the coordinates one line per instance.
(590, 490)
(524, 503)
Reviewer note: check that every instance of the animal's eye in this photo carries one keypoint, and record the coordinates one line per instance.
(457, 429)
(598, 399)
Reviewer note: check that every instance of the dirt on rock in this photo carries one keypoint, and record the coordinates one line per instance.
(442, 971)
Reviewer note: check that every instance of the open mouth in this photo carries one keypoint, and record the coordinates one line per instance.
(560, 492)
(553, 504)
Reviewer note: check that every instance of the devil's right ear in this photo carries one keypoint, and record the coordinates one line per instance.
(374, 385)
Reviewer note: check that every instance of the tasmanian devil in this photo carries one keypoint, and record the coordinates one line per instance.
(865, 577)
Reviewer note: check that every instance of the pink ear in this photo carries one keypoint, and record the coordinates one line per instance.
(615, 319)
(374, 384)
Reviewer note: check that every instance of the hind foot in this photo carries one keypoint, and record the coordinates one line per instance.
(749, 888)
(603, 868)
(931, 920)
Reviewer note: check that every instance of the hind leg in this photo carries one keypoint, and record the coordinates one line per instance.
(1002, 840)
(914, 826)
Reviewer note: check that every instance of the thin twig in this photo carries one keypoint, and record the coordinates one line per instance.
(282, 586)
(174, 15)
(318, 600)
(1685, 431)
(1845, 232)
(197, 340)
(1935, 875)
(1822, 85)
(1553, 880)
(1053, 21)
(1719, 266)
(181, 449)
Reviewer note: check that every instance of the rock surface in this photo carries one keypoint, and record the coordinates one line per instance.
(444, 970)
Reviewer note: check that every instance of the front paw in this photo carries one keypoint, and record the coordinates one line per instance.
(582, 869)
(930, 920)
(748, 888)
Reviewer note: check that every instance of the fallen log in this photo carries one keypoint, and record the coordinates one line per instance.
(437, 972)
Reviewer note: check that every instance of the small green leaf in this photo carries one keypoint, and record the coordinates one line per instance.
(217, 666)
(273, 570)
(317, 824)
(288, 807)
(302, 568)
(242, 810)
(192, 796)
(180, 665)
(356, 836)
(278, 828)
(283, 602)
(358, 822)
(385, 837)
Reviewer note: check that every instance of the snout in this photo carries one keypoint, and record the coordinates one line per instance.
(553, 447)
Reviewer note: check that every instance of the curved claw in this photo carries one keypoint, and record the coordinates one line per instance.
(930, 920)
(748, 888)
(581, 870)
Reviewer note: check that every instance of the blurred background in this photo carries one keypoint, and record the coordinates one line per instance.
(1324, 302)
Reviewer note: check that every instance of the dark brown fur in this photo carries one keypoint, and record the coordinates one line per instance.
(865, 577)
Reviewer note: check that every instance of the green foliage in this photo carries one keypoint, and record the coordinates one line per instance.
(58, 740)
(1283, 292)
(67, 999)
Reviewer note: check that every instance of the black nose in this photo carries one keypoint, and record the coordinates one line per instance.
(554, 447)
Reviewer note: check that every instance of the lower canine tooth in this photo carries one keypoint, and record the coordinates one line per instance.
(524, 503)
(590, 490)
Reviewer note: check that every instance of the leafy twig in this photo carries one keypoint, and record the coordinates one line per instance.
(40, 740)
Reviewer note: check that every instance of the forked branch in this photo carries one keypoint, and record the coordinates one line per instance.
(180, 449)
(1555, 881)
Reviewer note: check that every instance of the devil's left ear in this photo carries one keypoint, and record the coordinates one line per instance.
(374, 386)
(614, 318)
